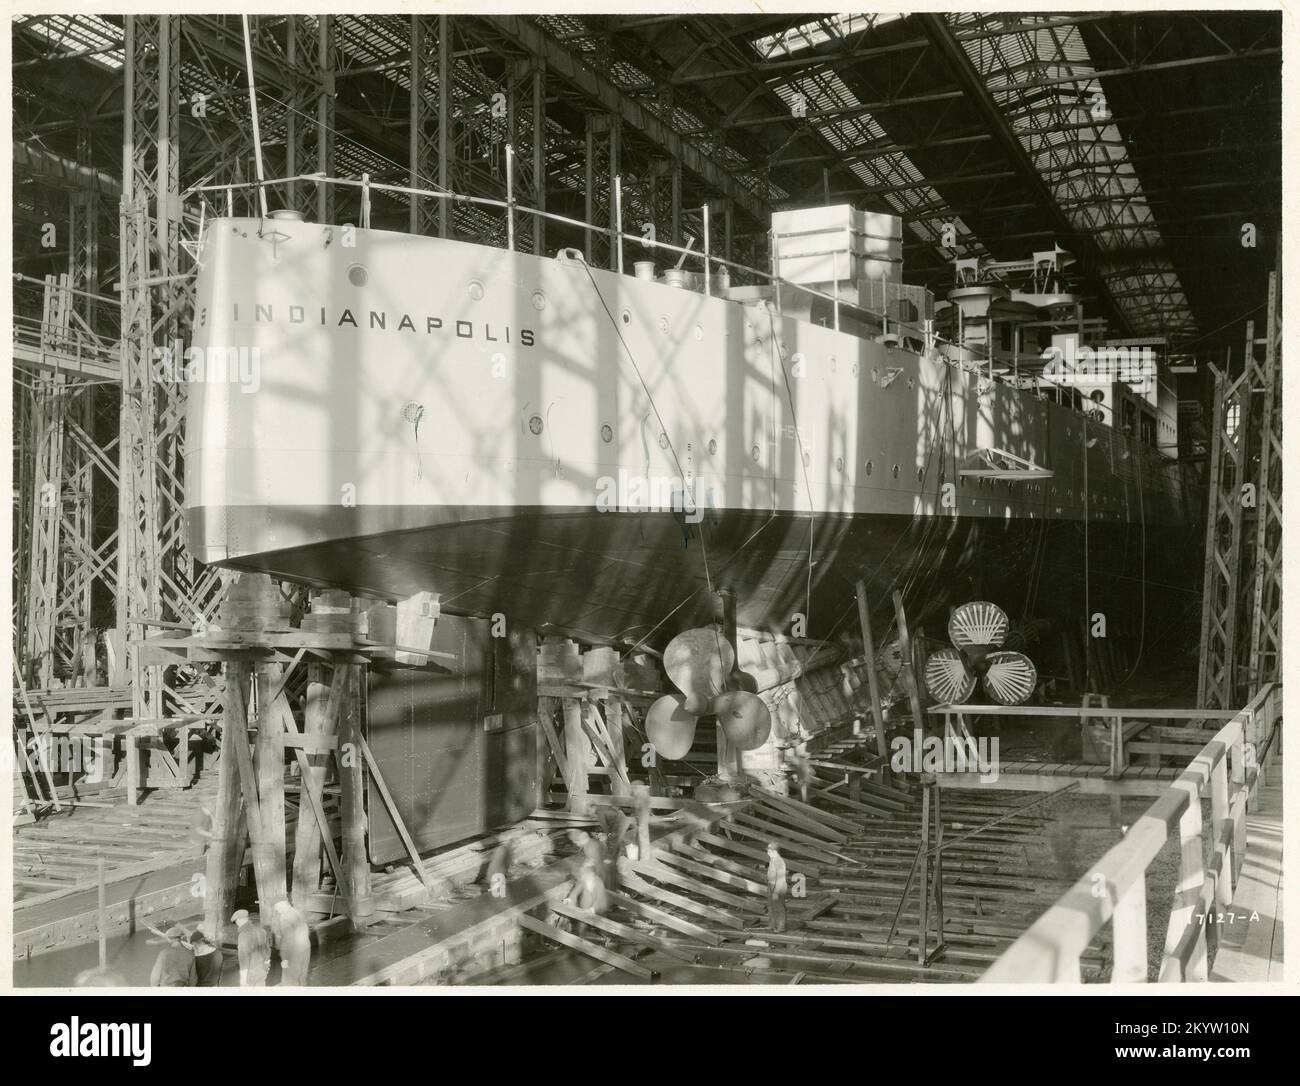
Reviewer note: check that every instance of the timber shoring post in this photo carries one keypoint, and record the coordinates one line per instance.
(907, 671)
(313, 765)
(730, 757)
(225, 849)
(352, 793)
(873, 685)
(315, 831)
(579, 757)
(272, 872)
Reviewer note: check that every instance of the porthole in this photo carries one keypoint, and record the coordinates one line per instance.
(475, 289)
(807, 459)
(663, 441)
(832, 363)
(713, 446)
(357, 275)
(627, 316)
(868, 467)
(699, 333)
(663, 325)
(539, 303)
(607, 433)
(839, 463)
(535, 424)
(754, 453)
(920, 475)
(895, 471)
(854, 369)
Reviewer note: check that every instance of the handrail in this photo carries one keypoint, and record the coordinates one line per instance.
(1114, 889)
(924, 331)
(615, 234)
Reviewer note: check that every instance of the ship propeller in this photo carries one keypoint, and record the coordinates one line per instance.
(978, 630)
(700, 663)
(948, 678)
(1010, 677)
(670, 728)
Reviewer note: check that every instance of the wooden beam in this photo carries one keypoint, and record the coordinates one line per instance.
(664, 918)
(395, 814)
(351, 792)
(873, 685)
(545, 708)
(620, 931)
(577, 751)
(312, 833)
(574, 942)
(686, 904)
(268, 757)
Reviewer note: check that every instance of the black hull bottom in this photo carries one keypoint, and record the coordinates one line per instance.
(629, 576)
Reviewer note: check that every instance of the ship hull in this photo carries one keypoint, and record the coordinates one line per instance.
(430, 415)
(629, 577)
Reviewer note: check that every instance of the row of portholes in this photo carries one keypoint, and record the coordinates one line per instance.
(535, 425)
(665, 327)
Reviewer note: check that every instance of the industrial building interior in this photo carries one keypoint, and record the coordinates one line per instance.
(462, 533)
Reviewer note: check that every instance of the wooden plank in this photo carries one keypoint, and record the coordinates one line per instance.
(779, 814)
(393, 812)
(618, 930)
(588, 719)
(663, 917)
(753, 853)
(837, 822)
(661, 873)
(574, 942)
(786, 845)
(668, 897)
(665, 803)
(844, 801)
(544, 707)
(734, 867)
(695, 861)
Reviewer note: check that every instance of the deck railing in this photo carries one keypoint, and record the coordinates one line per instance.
(1229, 768)
(922, 333)
(224, 197)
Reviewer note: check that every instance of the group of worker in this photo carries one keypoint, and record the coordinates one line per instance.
(190, 960)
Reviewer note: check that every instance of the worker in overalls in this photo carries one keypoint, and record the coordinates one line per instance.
(175, 965)
(777, 887)
(254, 950)
(208, 961)
(294, 937)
